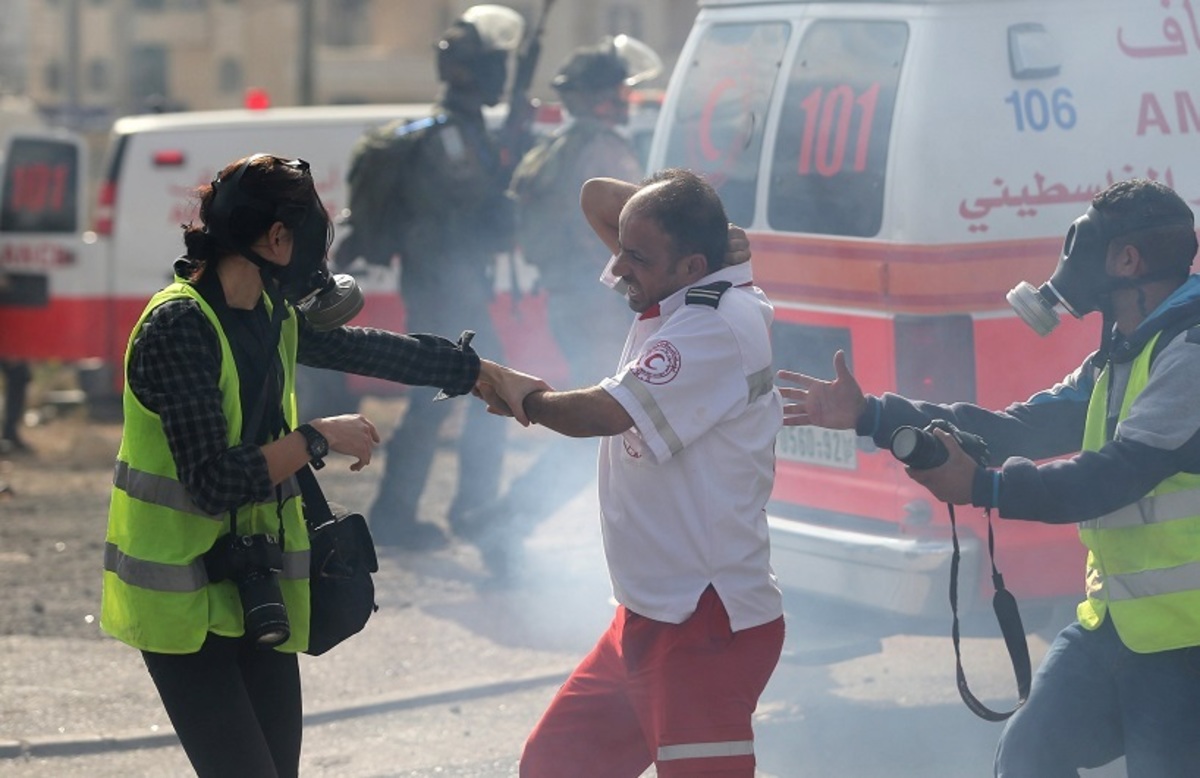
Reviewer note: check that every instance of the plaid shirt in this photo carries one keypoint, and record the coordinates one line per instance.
(175, 362)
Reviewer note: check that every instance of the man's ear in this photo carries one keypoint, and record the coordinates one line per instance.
(1127, 262)
(695, 266)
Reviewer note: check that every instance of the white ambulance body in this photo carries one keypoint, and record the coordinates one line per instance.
(899, 167)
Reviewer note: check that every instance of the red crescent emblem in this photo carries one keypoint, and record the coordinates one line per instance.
(660, 364)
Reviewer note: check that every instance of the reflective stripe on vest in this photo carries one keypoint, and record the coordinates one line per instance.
(705, 750)
(169, 493)
(1147, 583)
(1142, 569)
(1154, 509)
(184, 578)
(153, 575)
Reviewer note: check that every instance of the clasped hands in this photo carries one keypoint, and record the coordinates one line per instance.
(504, 389)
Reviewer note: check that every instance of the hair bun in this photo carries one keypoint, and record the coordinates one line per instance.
(201, 245)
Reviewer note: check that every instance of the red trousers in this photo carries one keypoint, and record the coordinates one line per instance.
(680, 696)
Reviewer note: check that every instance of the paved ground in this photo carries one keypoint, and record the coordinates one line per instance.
(450, 674)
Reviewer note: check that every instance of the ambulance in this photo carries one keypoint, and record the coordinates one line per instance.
(43, 213)
(77, 289)
(900, 166)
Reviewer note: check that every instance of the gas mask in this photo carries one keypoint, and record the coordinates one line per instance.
(328, 301)
(1080, 283)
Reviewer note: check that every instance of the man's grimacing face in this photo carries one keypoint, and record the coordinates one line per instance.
(647, 261)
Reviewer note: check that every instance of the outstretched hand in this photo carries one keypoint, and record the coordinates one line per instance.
(835, 404)
(504, 389)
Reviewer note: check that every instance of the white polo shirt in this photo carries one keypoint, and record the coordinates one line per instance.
(683, 492)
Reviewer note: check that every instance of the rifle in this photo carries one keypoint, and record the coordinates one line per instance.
(516, 136)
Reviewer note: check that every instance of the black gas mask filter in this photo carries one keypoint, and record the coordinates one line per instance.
(1080, 283)
(327, 301)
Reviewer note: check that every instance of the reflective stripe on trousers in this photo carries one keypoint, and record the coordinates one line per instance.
(705, 750)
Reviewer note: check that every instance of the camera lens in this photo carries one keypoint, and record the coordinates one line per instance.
(905, 442)
(918, 448)
(264, 614)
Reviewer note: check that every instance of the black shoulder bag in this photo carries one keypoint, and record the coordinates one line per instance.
(342, 559)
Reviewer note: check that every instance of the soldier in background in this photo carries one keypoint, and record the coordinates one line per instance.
(452, 218)
(17, 376)
(594, 85)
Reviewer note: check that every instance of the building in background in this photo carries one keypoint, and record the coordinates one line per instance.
(90, 61)
(14, 46)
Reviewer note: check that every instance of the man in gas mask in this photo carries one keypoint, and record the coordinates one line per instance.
(452, 218)
(1123, 679)
(594, 84)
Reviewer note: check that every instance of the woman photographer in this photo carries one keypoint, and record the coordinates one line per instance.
(205, 521)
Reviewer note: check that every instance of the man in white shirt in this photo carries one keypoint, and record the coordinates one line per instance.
(687, 427)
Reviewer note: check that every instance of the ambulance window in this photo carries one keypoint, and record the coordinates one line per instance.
(831, 151)
(41, 178)
(717, 129)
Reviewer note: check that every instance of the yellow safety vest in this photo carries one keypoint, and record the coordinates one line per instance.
(156, 593)
(1143, 565)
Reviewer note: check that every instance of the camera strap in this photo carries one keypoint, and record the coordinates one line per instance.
(1009, 618)
(316, 507)
(243, 342)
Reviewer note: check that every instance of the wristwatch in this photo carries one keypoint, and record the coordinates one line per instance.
(318, 446)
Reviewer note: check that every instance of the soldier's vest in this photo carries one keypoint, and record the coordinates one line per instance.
(1143, 566)
(457, 217)
(156, 593)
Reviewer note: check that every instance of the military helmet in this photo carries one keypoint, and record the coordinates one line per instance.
(482, 29)
(474, 50)
(609, 64)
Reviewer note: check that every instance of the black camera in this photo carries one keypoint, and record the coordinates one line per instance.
(253, 562)
(920, 449)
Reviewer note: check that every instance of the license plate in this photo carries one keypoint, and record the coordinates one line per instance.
(818, 446)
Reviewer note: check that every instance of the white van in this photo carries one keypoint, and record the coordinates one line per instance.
(154, 164)
(899, 167)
